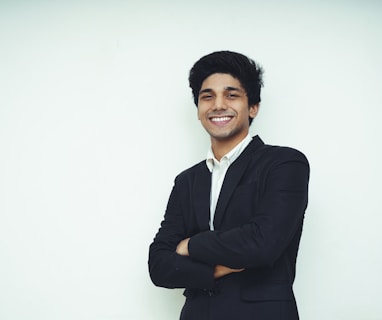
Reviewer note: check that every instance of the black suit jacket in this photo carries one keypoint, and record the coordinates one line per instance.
(258, 223)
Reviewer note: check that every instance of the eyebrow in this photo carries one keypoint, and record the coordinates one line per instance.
(229, 88)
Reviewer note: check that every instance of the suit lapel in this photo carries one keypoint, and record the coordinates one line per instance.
(232, 178)
(201, 191)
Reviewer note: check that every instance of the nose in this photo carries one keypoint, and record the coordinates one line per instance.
(219, 103)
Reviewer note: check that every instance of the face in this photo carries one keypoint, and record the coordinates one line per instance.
(223, 108)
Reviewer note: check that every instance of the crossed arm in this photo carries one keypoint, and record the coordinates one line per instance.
(219, 270)
(195, 262)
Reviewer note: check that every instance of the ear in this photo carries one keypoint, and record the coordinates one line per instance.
(253, 110)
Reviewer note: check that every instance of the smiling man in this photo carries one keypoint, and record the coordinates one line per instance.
(223, 111)
(233, 222)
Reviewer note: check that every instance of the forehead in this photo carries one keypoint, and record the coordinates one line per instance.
(220, 81)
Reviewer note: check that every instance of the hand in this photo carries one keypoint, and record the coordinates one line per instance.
(182, 247)
(221, 271)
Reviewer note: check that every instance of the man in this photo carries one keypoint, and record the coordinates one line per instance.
(233, 222)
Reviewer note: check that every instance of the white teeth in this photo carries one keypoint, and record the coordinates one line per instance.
(220, 119)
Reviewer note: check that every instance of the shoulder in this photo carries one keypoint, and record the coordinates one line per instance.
(279, 162)
(269, 155)
(280, 153)
(189, 174)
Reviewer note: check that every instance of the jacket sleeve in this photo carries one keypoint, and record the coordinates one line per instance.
(166, 267)
(280, 212)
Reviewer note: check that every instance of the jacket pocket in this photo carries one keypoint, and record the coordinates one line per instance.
(267, 292)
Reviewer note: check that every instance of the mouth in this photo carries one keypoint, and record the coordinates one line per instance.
(221, 120)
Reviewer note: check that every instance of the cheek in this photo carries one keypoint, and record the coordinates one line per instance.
(201, 111)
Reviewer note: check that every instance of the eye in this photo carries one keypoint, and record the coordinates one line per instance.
(205, 97)
(232, 95)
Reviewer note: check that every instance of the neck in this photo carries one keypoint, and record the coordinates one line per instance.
(221, 147)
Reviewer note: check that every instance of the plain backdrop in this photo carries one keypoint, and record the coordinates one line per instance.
(96, 120)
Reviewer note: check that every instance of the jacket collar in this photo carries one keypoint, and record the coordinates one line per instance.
(202, 186)
(233, 177)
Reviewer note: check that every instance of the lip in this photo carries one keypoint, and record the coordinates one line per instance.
(220, 120)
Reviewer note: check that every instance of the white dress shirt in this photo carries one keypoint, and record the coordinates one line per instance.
(219, 170)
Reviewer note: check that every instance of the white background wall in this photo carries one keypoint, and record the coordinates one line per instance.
(96, 119)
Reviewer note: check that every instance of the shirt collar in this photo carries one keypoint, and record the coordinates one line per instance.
(231, 156)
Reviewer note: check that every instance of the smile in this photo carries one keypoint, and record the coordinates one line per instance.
(220, 119)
